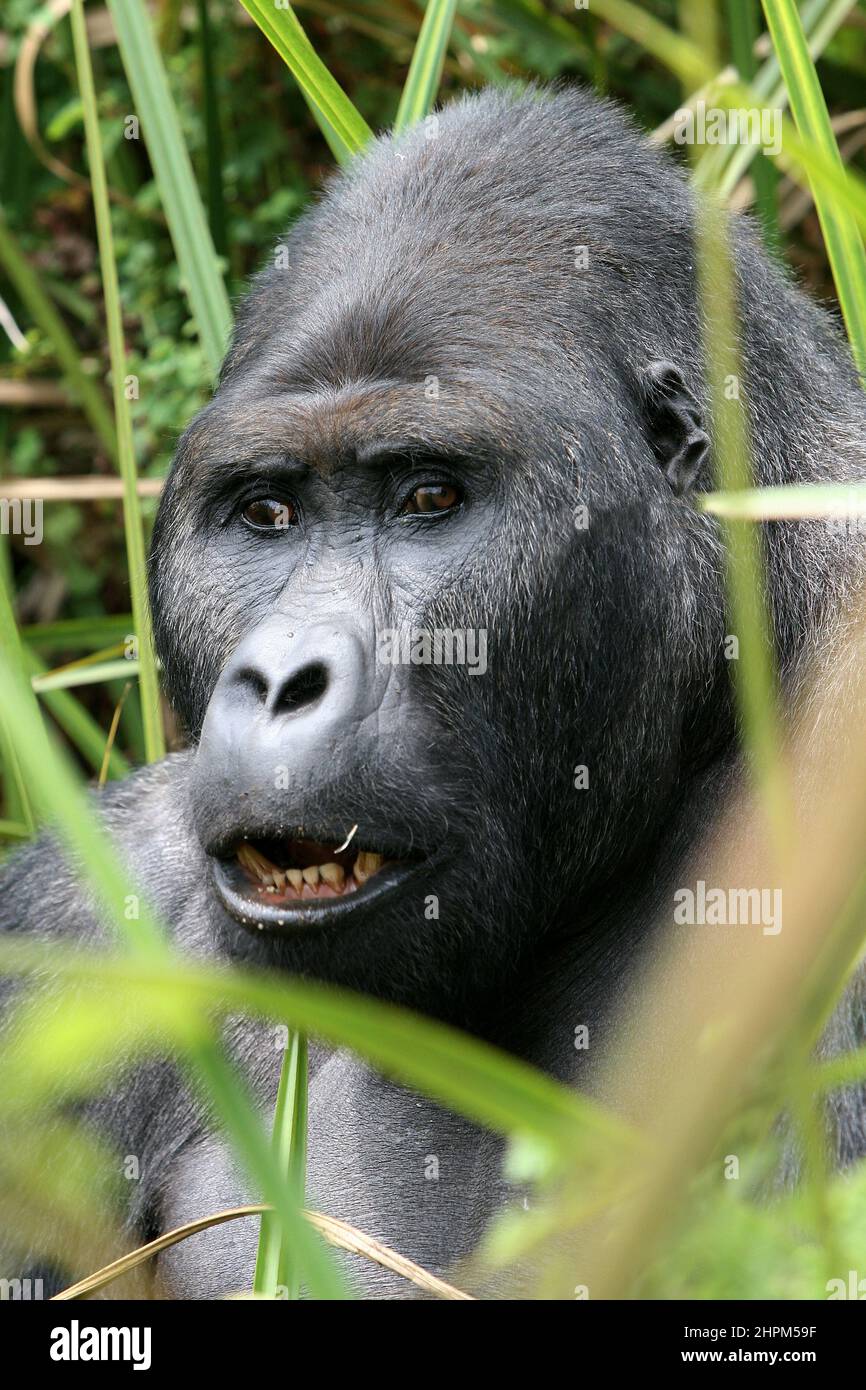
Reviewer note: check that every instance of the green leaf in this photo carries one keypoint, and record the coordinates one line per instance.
(77, 723)
(13, 830)
(842, 238)
(276, 1267)
(425, 70)
(93, 674)
(73, 633)
(154, 740)
(342, 124)
(724, 166)
(56, 792)
(472, 1077)
(197, 258)
(82, 386)
(13, 654)
(798, 501)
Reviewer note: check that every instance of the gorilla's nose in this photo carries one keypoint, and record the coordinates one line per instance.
(267, 684)
(293, 713)
(317, 678)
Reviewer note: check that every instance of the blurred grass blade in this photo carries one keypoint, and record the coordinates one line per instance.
(187, 223)
(154, 740)
(59, 796)
(722, 166)
(672, 49)
(754, 672)
(277, 1273)
(70, 677)
(744, 30)
(77, 723)
(799, 500)
(34, 298)
(474, 1078)
(12, 652)
(326, 97)
(425, 70)
(13, 830)
(842, 238)
(95, 632)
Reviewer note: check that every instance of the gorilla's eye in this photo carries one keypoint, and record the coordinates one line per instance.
(432, 497)
(268, 514)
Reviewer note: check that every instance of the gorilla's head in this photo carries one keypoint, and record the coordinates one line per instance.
(430, 587)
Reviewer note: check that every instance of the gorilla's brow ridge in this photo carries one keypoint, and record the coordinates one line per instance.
(320, 429)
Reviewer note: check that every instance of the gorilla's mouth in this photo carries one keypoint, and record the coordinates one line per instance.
(305, 870)
(289, 883)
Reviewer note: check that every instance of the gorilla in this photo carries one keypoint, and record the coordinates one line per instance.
(447, 630)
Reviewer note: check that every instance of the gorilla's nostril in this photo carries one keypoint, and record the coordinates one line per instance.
(302, 689)
(254, 681)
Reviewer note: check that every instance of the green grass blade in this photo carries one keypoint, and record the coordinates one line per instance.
(671, 48)
(36, 301)
(754, 672)
(13, 830)
(797, 501)
(12, 652)
(80, 727)
(216, 203)
(340, 149)
(58, 794)
(69, 678)
(821, 19)
(132, 520)
(187, 223)
(842, 239)
(475, 1079)
(238, 1116)
(277, 1273)
(74, 633)
(324, 94)
(744, 31)
(723, 167)
(12, 790)
(428, 58)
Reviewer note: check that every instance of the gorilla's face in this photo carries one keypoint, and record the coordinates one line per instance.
(366, 616)
(331, 773)
(410, 597)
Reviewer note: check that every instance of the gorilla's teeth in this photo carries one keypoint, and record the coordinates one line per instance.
(270, 876)
(255, 863)
(366, 865)
(334, 874)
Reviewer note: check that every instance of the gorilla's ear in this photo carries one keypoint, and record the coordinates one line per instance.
(674, 424)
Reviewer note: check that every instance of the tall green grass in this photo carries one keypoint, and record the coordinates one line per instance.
(842, 237)
(187, 222)
(154, 741)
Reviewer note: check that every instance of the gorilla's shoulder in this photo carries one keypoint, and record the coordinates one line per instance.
(148, 819)
(154, 787)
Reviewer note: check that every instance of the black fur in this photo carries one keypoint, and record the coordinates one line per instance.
(559, 389)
